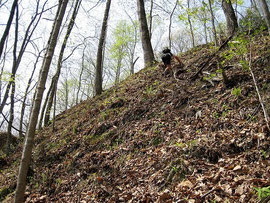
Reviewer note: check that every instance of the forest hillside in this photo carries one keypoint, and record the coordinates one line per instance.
(156, 138)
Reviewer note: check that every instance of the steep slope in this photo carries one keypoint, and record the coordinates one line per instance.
(155, 138)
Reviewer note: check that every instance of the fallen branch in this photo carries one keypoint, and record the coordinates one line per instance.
(194, 77)
(209, 192)
(258, 92)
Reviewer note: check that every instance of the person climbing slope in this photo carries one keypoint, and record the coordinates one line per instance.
(167, 57)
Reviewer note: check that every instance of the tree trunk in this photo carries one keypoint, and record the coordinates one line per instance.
(11, 116)
(59, 63)
(25, 42)
(132, 64)
(266, 13)
(132, 50)
(29, 141)
(231, 19)
(151, 19)
(26, 93)
(80, 77)
(205, 31)
(118, 70)
(5, 34)
(253, 5)
(146, 42)
(98, 77)
(66, 89)
(213, 22)
(170, 25)
(190, 25)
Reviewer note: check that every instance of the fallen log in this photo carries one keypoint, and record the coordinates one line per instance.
(195, 76)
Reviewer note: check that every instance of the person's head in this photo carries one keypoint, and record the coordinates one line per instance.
(166, 50)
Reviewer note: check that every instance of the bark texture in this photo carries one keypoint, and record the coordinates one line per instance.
(100, 52)
(231, 19)
(266, 13)
(29, 140)
(59, 63)
(213, 22)
(146, 43)
(5, 34)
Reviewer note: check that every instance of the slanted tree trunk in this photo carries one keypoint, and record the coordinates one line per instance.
(26, 94)
(190, 24)
(170, 25)
(151, 18)
(213, 22)
(231, 19)
(118, 70)
(132, 65)
(146, 42)
(45, 103)
(80, 77)
(11, 116)
(59, 63)
(266, 13)
(100, 52)
(66, 93)
(29, 140)
(5, 33)
(132, 49)
(253, 5)
(25, 42)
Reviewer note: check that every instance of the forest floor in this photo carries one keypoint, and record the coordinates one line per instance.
(157, 139)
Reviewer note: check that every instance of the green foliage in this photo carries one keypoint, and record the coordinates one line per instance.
(211, 76)
(265, 154)
(7, 77)
(190, 145)
(150, 91)
(251, 21)
(74, 131)
(263, 192)
(239, 49)
(236, 91)
(157, 140)
(44, 177)
(104, 115)
(123, 36)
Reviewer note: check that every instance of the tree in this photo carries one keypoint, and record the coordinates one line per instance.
(5, 34)
(100, 52)
(145, 37)
(231, 19)
(187, 18)
(80, 76)
(213, 22)
(29, 140)
(133, 43)
(125, 40)
(59, 63)
(170, 25)
(27, 92)
(189, 14)
(266, 13)
(11, 116)
(151, 18)
(119, 48)
(27, 38)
